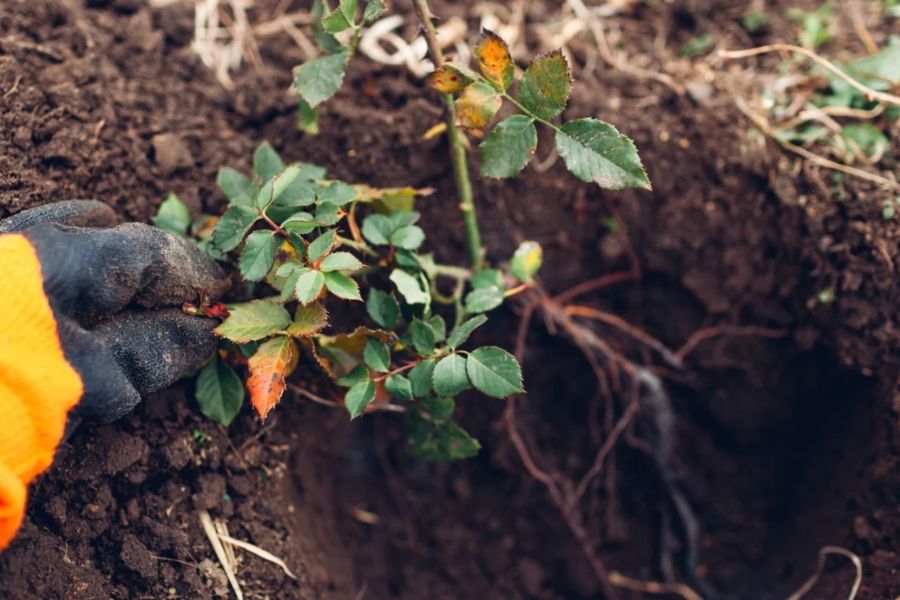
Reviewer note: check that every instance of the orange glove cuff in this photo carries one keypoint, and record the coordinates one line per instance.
(37, 386)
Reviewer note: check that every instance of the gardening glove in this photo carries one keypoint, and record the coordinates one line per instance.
(90, 321)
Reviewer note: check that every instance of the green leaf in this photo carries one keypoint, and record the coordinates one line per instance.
(328, 214)
(342, 286)
(420, 377)
(383, 308)
(173, 216)
(439, 327)
(409, 260)
(403, 218)
(219, 391)
(377, 356)
(358, 374)
(487, 278)
(266, 162)
(232, 227)
(319, 79)
(438, 441)
(595, 151)
(374, 9)
(697, 45)
(253, 320)
(258, 255)
(526, 261)
(377, 229)
(307, 118)
(461, 332)
(338, 192)
(409, 287)
(508, 147)
(484, 299)
(440, 408)
(450, 376)
(289, 289)
(477, 105)
(236, 186)
(301, 192)
(399, 386)
(340, 261)
(494, 372)
(866, 137)
(308, 320)
(276, 186)
(422, 337)
(320, 246)
(309, 286)
(546, 85)
(408, 238)
(358, 397)
(341, 18)
(300, 223)
(494, 60)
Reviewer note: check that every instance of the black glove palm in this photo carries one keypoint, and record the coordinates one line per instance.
(116, 292)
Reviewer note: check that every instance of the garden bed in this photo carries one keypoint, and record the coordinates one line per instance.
(786, 442)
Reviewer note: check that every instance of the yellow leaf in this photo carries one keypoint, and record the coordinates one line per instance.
(435, 131)
(309, 320)
(449, 80)
(340, 354)
(494, 60)
(272, 363)
(477, 106)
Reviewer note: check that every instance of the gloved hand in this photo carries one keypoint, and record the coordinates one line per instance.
(90, 321)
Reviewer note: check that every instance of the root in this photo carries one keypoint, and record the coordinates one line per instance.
(824, 552)
(652, 587)
(644, 396)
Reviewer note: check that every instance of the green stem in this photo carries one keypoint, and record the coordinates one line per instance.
(525, 111)
(457, 149)
(359, 246)
(452, 272)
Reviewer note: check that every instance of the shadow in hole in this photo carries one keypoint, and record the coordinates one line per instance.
(776, 446)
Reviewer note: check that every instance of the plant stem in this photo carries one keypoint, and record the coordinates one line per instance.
(457, 149)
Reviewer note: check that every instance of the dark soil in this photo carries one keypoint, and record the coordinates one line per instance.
(788, 443)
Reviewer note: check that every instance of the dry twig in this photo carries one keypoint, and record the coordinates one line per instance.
(867, 91)
(596, 29)
(219, 550)
(763, 124)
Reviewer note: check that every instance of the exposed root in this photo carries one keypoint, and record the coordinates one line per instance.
(643, 394)
(824, 553)
(721, 330)
(653, 587)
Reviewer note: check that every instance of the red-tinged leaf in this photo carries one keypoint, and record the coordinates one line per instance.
(494, 60)
(450, 79)
(269, 366)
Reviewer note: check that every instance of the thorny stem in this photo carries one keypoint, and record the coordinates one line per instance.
(457, 149)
